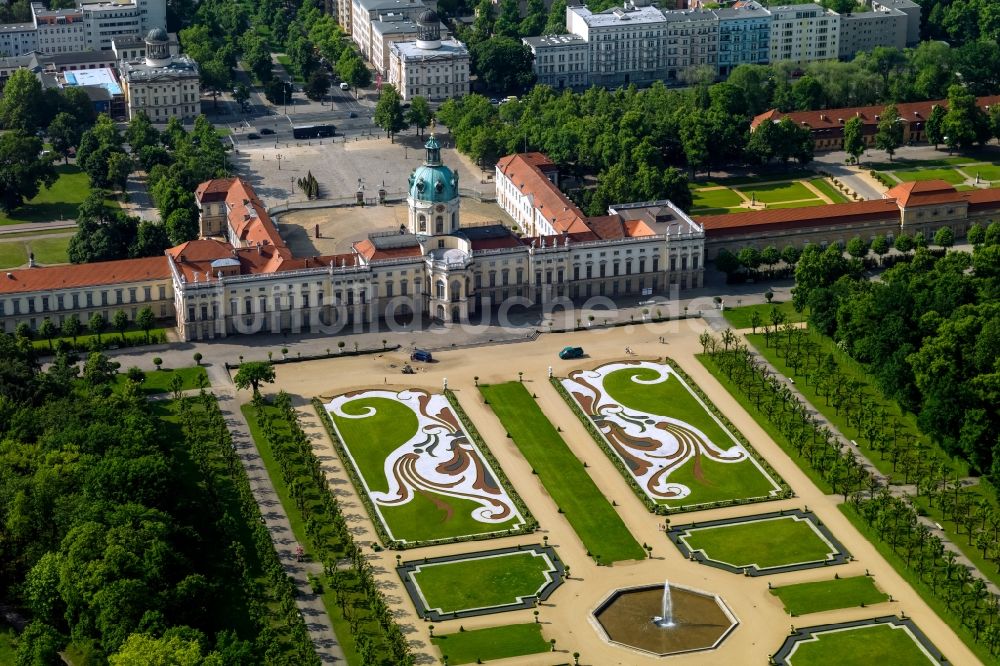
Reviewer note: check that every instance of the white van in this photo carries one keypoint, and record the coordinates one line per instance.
(345, 86)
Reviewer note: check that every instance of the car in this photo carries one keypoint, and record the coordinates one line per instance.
(345, 86)
(421, 355)
(569, 353)
(352, 114)
(494, 101)
(253, 135)
(267, 130)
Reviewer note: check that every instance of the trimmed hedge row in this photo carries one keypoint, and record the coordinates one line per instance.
(651, 504)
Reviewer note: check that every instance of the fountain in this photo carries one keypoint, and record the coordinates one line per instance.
(664, 619)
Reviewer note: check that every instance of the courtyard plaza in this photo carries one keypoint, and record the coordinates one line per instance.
(764, 623)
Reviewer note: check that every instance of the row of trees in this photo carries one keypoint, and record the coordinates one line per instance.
(72, 327)
(102, 538)
(891, 519)
(392, 117)
(928, 331)
(374, 632)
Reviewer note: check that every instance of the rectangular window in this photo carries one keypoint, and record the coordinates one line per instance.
(147, 293)
(119, 293)
(694, 262)
(131, 295)
(45, 303)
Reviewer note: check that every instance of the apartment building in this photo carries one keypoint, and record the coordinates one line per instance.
(803, 33)
(161, 85)
(560, 61)
(17, 39)
(744, 36)
(863, 31)
(692, 41)
(431, 67)
(366, 12)
(626, 44)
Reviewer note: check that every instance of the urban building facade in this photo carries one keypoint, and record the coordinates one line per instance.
(744, 36)
(430, 67)
(803, 33)
(863, 31)
(366, 12)
(161, 85)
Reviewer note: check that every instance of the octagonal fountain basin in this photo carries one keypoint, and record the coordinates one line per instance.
(664, 619)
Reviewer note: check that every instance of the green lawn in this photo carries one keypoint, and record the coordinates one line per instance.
(948, 175)
(58, 203)
(482, 581)
(861, 646)
(824, 186)
(739, 317)
(852, 371)
(590, 514)
(765, 423)
(824, 595)
(8, 645)
(50, 251)
(427, 516)
(13, 254)
(986, 171)
(703, 199)
(765, 543)
(158, 381)
(772, 193)
(717, 481)
(469, 647)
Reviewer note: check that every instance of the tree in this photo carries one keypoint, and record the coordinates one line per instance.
(965, 123)
(72, 327)
(141, 133)
(808, 93)
(22, 106)
(48, 330)
(889, 136)
(39, 643)
(252, 374)
(150, 240)
(976, 235)
(904, 243)
(503, 65)
(727, 262)
(854, 140)
(790, 254)
(352, 70)
(770, 256)
(241, 93)
(389, 111)
(277, 91)
(857, 247)
(64, 133)
(556, 23)
(145, 319)
(508, 20)
(98, 369)
(22, 168)
(535, 19)
(119, 167)
(317, 86)
(944, 237)
(172, 650)
(182, 226)
(935, 125)
(96, 325)
(419, 114)
(120, 322)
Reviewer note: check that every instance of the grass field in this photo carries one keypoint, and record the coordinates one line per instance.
(481, 582)
(589, 513)
(824, 595)
(852, 371)
(711, 199)
(58, 203)
(948, 175)
(860, 646)
(986, 171)
(427, 515)
(824, 186)
(764, 543)
(739, 317)
(481, 645)
(48, 250)
(8, 645)
(772, 193)
(158, 381)
(13, 254)
(714, 481)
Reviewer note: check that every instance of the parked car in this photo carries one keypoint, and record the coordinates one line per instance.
(345, 86)
(253, 135)
(421, 355)
(352, 115)
(267, 130)
(569, 353)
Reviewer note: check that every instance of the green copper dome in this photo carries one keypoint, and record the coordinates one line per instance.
(433, 181)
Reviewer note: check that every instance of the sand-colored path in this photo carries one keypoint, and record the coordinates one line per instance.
(764, 624)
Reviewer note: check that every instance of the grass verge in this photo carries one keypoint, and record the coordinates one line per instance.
(739, 317)
(158, 381)
(591, 515)
(824, 186)
(823, 595)
(469, 647)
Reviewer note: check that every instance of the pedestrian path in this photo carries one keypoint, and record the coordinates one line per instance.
(310, 605)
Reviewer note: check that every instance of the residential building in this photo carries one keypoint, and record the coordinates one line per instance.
(744, 36)
(365, 12)
(863, 31)
(161, 85)
(18, 39)
(626, 44)
(827, 125)
(560, 61)
(430, 67)
(803, 33)
(692, 41)
(385, 32)
(912, 11)
(100, 83)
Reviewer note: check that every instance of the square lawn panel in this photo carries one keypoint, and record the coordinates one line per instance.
(481, 582)
(778, 192)
(480, 645)
(767, 543)
(881, 644)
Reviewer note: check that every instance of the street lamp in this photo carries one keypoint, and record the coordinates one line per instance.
(279, 157)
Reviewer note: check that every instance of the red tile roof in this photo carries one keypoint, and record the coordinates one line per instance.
(527, 172)
(51, 278)
(367, 249)
(923, 193)
(981, 200)
(213, 190)
(830, 118)
(791, 218)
